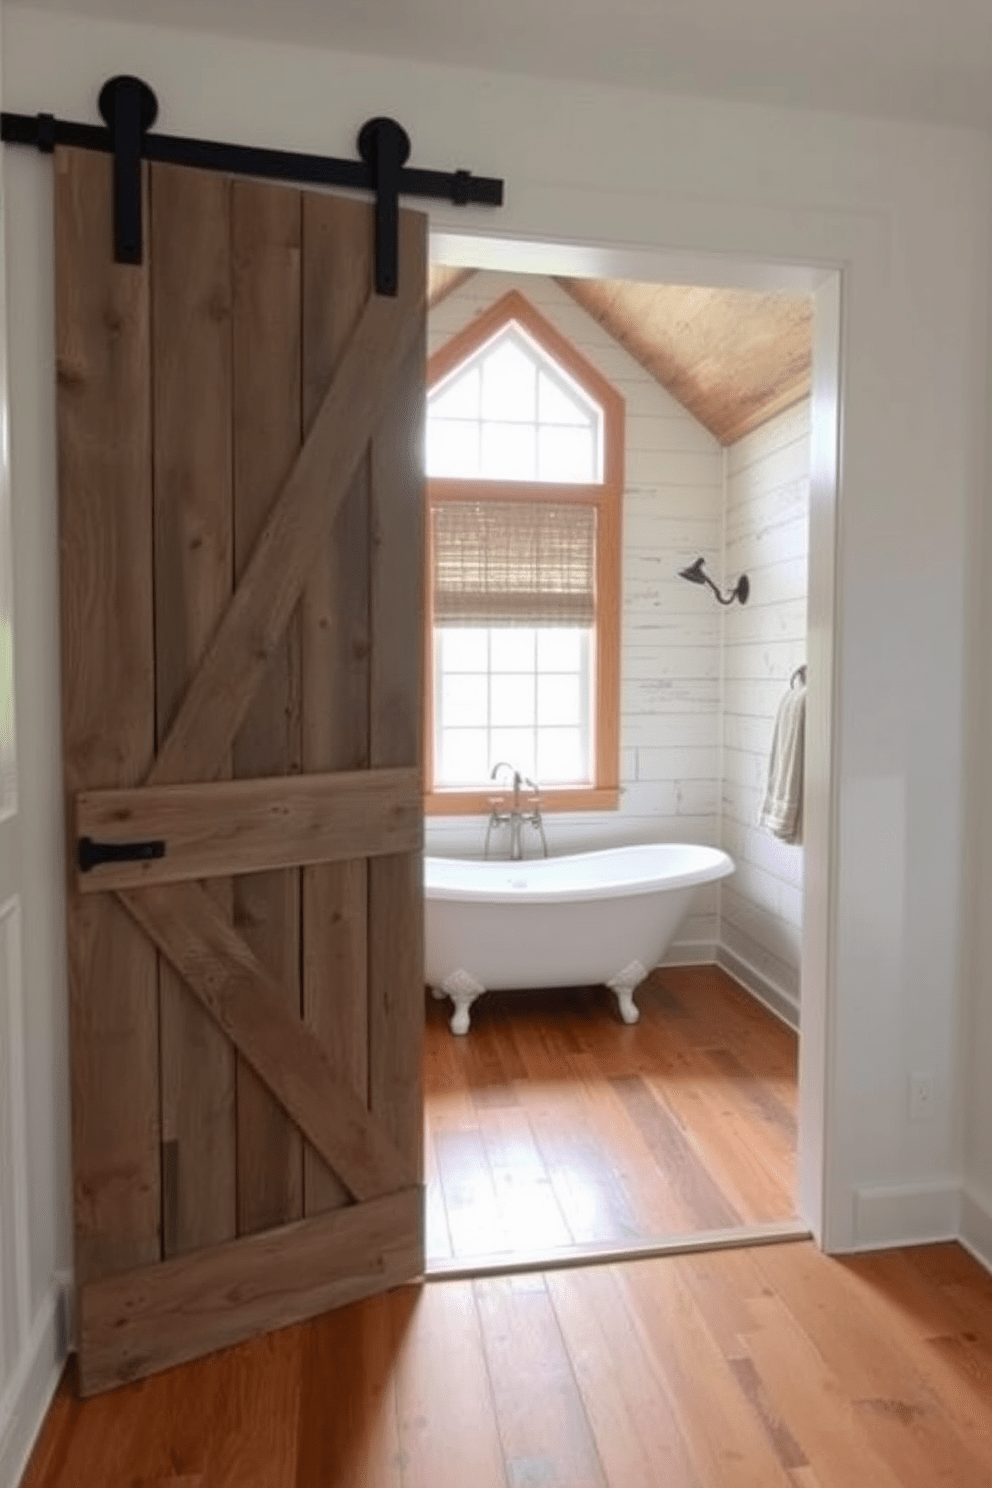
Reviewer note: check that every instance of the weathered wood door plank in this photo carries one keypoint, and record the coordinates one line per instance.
(265, 249)
(190, 233)
(396, 932)
(103, 362)
(336, 662)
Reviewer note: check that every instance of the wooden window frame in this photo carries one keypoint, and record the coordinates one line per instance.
(607, 497)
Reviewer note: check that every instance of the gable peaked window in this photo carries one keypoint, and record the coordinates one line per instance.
(524, 483)
(511, 413)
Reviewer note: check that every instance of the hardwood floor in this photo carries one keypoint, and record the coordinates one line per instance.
(552, 1123)
(769, 1368)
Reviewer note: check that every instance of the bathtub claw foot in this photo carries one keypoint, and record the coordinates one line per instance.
(460, 1017)
(623, 986)
(463, 991)
(629, 1012)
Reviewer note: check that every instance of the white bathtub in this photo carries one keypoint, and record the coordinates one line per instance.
(558, 922)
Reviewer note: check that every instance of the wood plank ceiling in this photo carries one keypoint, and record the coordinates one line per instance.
(734, 358)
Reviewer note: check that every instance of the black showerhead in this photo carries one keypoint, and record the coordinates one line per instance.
(694, 573)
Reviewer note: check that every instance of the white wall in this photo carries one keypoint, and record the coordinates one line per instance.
(670, 635)
(976, 1032)
(765, 536)
(728, 192)
(34, 1254)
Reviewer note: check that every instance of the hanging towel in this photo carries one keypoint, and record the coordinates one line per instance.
(782, 812)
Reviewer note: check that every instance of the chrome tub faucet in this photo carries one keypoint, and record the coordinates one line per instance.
(517, 817)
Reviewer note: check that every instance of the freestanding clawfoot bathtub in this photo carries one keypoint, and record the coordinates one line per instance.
(572, 921)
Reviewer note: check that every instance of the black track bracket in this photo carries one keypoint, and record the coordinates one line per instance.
(129, 109)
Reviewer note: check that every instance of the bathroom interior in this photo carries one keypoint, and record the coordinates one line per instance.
(566, 1120)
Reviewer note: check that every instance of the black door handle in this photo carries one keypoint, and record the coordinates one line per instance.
(92, 854)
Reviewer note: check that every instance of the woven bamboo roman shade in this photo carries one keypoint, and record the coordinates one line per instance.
(513, 563)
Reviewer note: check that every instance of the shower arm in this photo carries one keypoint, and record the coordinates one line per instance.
(720, 599)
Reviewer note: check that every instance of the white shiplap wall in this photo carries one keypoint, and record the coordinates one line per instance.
(767, 503)
(670, 692)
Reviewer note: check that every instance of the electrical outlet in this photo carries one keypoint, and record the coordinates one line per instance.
(920, 1096)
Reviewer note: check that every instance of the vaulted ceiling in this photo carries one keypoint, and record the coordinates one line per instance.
(732, 357)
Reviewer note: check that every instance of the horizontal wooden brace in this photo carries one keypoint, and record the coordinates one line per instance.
(133, 1324)
(248, 826)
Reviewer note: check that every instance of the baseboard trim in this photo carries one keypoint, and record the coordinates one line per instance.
(975, 1232)
(889, 1216)
(784, 1006)
(689, 953)
(603, 1253)
(29, 1392)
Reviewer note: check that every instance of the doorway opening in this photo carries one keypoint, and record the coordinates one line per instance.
(554, 1131)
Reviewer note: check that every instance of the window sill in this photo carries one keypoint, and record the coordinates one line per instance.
(480, 803)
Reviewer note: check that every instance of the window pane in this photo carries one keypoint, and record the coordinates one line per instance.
(513, 701)
(555, 406)
(512, 648)
(460, 399)
(509, 383)
(559, 649)
(508, 452)
(462, 648)
(558, 700)
(566, 455)
(463, 757)
(516, 746)
(559, 759)
(452, 448)
(463, 701)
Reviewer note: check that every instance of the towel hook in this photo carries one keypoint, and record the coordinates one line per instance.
(799, 675)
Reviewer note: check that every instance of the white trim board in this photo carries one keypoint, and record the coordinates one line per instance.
(33, 1384)
(10, 941)
(975, 1224)
(784, 1006)
(688, 953)
(892, 1215)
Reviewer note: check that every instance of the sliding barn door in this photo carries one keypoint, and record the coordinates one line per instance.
(239, 422)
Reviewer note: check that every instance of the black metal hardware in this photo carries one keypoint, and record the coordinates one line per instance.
(129, 107)
(696, 574)
(92, 854)
(46, 133)
(385, 148)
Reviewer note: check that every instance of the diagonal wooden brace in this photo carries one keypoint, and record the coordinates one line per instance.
(252, 1010)
(221, 691)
